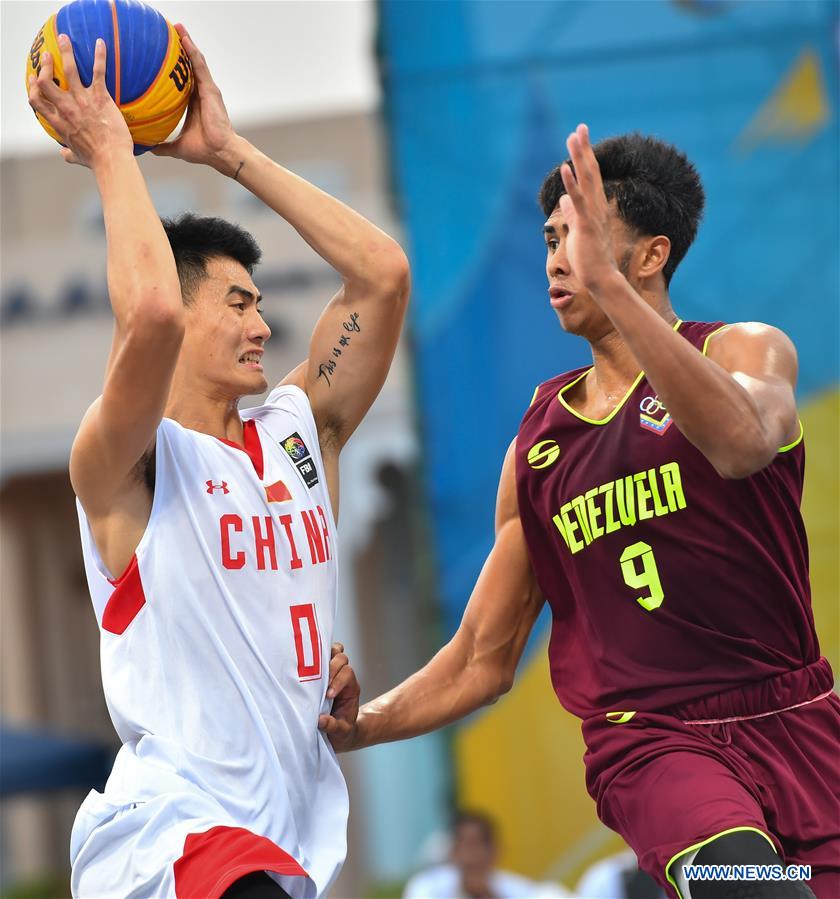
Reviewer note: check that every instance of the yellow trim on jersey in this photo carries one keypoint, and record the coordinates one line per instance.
(710, 336)
(615, 411)
(619, 717)
(790, 446)
(536, 391)
(782, 449)
(702, 843)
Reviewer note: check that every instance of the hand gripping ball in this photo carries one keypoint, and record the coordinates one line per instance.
(148, 72)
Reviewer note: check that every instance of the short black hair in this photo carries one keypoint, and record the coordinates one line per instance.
(483, 822)
(196, 239)
(656, 189)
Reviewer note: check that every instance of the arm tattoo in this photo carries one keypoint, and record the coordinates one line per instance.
(236, 173)
(351, 326)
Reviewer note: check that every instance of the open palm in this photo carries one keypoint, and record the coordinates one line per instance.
(586, 211)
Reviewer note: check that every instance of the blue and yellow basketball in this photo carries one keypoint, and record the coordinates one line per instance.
(148, 72)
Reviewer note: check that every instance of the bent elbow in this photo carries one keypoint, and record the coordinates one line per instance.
(396, 273)
(505, 685)
(153, 318)
(502, 684)
(745, 452)
(159, 310)
(744, 464)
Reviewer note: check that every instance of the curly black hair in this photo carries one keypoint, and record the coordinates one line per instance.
(655, 187)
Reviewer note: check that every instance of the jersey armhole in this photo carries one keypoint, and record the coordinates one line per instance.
(795, 443)
(711, 335)
(87, 536)
(782, 449)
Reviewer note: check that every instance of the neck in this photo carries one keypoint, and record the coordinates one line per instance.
(204, 412)
(614, 366)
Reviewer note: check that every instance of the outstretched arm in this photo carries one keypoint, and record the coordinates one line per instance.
(142, 284)
(479, 662)
(356, 336)
(736, 405)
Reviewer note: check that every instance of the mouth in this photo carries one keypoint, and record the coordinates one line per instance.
(560, 296)
(252, 360)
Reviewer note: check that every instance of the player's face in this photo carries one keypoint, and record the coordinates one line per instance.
(225, 332)
(577, 311)
(471, 850)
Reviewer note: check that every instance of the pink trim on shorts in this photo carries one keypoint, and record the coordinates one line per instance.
(798, 705)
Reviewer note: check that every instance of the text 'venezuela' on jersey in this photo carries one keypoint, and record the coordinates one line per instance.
(215, 648)
(666, 582)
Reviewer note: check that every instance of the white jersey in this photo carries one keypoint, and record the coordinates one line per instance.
(215, 648)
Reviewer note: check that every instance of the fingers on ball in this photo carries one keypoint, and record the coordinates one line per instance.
(68, 62)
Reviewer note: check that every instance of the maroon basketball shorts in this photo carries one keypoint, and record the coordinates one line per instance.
(763, 756)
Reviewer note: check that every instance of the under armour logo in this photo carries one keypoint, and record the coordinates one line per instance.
(211, 487)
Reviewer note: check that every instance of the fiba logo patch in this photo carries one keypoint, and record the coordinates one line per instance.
(653, 416)
(543, 454)
(296, 450)
(295, 447)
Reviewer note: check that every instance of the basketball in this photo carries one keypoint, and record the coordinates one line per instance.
(148, 72)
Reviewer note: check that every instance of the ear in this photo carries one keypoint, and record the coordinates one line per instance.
(655, 253)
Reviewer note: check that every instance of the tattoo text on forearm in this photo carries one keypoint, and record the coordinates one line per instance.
(326, 369)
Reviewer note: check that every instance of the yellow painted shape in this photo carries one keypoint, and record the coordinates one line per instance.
(821, 420)
(796, 110)
(522, 762)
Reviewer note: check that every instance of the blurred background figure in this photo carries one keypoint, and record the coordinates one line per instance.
(437, 121)
(617, 877)
(472, 873)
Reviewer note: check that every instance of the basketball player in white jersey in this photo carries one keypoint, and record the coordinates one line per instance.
(209, 533)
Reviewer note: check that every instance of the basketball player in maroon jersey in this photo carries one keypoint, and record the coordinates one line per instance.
(653, 499)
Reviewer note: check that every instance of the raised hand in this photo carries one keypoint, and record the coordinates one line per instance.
(586, 211)
(207, 131)
(344, 690)
(85, 118)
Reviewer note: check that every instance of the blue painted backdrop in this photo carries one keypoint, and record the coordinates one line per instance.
(479, 99)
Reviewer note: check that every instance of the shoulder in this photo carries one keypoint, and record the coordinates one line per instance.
(750, 344)
(548, 389)
(288, 401)
(286, 393)
(748, 334)
(510, 886)
(604, 878)
(507, 504)
(435, 883)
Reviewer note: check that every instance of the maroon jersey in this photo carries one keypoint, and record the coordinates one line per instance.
(666, 582)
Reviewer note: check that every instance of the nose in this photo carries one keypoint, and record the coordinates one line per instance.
(259, 331)
(557, 262)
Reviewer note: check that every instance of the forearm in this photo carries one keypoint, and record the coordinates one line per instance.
(357, 249)
(711, 409)
(447, 689)
(142, 277)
